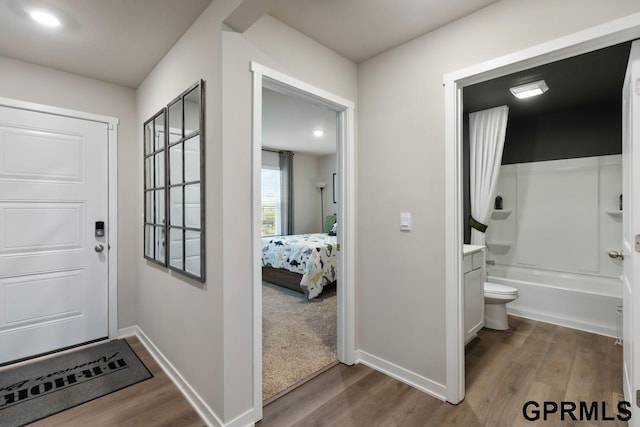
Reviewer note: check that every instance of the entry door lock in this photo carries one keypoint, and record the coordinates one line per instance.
(99, 228)
(637, 242)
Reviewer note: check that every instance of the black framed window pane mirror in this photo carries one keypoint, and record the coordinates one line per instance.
(186, 184)
(175, 122)
(154, 188)
(192, 256)
(192, 111)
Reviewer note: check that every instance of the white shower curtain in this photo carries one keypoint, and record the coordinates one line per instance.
(487, 130)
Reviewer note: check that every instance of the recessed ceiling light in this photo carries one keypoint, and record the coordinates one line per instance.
(530, 89)
(44, 18)
(318, 133)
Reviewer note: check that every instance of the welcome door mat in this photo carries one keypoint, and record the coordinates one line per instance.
(40, 389)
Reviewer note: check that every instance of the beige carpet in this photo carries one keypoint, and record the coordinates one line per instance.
(298, 336)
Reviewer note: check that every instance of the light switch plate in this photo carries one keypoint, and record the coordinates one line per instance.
(405, 221)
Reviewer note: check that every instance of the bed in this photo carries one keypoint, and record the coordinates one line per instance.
(302, 262)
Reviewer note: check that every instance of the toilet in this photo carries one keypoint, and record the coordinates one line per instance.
(496, 298)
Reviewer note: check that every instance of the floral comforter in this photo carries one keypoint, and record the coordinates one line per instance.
(312, 255)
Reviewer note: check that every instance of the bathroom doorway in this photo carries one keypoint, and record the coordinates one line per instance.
(601, 37)
(555, 217)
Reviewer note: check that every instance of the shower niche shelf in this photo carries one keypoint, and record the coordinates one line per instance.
(616, 213)
(500, 213)
(499, 247)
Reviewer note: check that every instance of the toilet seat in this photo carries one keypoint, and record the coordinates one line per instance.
(496, 289)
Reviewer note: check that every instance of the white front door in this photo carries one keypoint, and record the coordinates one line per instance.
(631, 228)
(53, 267)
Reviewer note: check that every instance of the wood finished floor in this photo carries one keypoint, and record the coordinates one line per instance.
(534, 361)
(154, 402)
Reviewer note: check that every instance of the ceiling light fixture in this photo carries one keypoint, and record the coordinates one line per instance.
(45, 18)
(318, 133)
(530, 89)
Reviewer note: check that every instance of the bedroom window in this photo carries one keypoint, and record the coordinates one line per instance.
(271, 205)
(174, 184)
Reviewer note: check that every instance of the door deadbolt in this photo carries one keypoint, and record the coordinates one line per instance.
(99, 228)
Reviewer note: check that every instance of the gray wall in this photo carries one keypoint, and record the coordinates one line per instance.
(401, 158)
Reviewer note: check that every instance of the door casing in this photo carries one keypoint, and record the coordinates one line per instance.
(273, 79)
(598, 37)
(112, 169)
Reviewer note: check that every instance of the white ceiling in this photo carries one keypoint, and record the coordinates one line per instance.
(288, 124)
(361, 29)
(118, 41)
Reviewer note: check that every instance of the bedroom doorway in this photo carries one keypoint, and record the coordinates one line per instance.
(298, 215)
(329, 189)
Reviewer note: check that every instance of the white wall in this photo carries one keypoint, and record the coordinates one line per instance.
(401, 161)
(555, 216)
(33, 83)
(328, 166)
(306, 197)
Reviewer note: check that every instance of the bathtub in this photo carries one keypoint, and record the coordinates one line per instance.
(577, 301)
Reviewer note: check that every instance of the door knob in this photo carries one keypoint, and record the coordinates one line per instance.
(99, 248)
(616, 254)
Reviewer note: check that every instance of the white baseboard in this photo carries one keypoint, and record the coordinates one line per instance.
(419, 382)
(192, 396)
(128, 332)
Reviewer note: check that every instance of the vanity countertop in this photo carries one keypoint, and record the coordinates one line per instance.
(471, 249)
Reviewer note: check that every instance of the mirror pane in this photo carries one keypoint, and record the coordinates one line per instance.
(159, 169)
(177, 245)
(148, 172)
(192, 205)
(192, 111)
(175, 122)
(159, 244)
(192, 252)
(148, 138)
(175, 164)
(159, 136)
(159, 207)
(192, 159)
(148, 241)
(148, 204)
(175, 205)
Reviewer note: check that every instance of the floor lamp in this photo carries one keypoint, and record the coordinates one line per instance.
(321, 186)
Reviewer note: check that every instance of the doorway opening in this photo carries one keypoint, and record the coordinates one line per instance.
(552, 220)
(276, 84)
(587, 41)
(299, 240)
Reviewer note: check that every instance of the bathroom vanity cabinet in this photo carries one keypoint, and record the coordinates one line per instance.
(474, 278)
